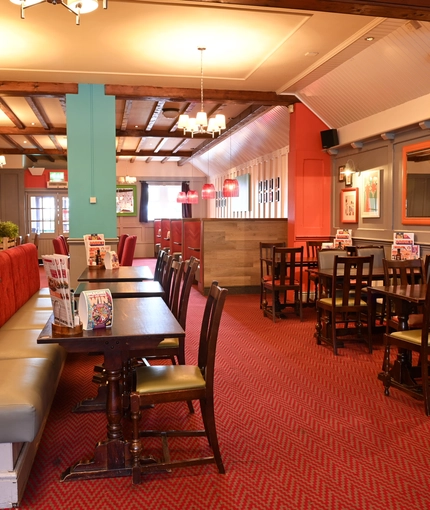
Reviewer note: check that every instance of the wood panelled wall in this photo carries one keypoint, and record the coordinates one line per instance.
(231, 251)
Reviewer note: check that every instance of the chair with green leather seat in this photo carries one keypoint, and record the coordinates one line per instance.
(177, 383)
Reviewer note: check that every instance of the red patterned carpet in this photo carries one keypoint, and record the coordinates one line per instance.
(298, 428)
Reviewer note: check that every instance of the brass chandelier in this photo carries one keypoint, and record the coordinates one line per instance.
(76, 7)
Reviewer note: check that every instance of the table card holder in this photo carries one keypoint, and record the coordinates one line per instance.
(111, 260)
(96, 309)
(57, 272)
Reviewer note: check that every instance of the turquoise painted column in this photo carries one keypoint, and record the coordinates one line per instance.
(91, 161)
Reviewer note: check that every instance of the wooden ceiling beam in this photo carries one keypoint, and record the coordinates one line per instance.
(182, 95)
(34, 131)
(42, 89)
(401, 9)
(10, 114)
(38, 112)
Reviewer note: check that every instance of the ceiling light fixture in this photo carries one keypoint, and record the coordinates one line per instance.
(230, 187)
(2, 161)
(208, 190)
(170, 113)
(199, 124)
(76, 7)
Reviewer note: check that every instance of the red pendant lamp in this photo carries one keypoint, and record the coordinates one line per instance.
(230, 188)
(192, 197)
(208, 191)
(182, 197)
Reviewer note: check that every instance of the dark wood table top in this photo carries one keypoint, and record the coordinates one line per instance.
(377, 272)
(412, 293)
(121, 274)
(137, 324)
(145, 288)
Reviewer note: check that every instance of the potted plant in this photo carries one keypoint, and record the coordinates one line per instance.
(8, 233)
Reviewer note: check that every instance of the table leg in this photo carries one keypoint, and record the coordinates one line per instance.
(112, 456)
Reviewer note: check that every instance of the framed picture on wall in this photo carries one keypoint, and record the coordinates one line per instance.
(340, 174)
(349, 205)
(126, 200)
(371, 194)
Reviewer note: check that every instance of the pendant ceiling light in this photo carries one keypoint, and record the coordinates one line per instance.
(192, 197)
(208, 190)
(199, 124)
(182, 197)
(76, 7)
(230, 187)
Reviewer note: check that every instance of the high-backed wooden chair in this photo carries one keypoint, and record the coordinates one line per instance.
(403, 272)
(64, 243)
(345, 305)
(416, 340)
(129, 249)
(326, 261)
(312, 249)
(286, 277)
(378, 253)
(176, 383)
(427, 267)
(266, 264)
(158, 271)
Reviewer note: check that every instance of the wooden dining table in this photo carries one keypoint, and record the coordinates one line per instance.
(404, 298)
(120, 274)
(137, 324)
(145, 288)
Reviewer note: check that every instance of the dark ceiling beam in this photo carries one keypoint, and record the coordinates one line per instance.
(181, 95)
(38, 112)
(132, 153)
(42, 89)
(10, 114)
(402, 9)
(34, 131)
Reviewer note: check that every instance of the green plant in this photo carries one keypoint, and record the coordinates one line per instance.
(8, 229)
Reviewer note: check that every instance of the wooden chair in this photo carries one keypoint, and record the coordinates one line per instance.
(427, 267)
(266, 264)
(121, 242)
(312, 249)
(159, 266)
(173, 347)
(378, 253)
(129, 249)
(403, 272)
(166, 266)
(345, 305)
(326, 261)
(26, 239)
(416, 340)
(175, 383)
(285, 263)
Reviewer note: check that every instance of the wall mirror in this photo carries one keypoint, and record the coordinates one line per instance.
(416, 184)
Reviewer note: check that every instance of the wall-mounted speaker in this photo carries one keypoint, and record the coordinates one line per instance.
(329, 138)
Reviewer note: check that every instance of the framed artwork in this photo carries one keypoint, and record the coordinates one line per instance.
(349, 205)
(340, 174)
(371, 194)
(126, 200)
(348, 179)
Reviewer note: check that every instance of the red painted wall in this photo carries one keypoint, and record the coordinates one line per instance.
(39, 181)
(309, 179)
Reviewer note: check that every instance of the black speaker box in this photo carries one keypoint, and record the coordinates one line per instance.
(329, 138)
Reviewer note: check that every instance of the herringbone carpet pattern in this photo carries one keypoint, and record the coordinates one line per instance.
(298, 428)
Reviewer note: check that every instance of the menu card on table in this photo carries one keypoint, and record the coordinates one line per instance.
(57, 272)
